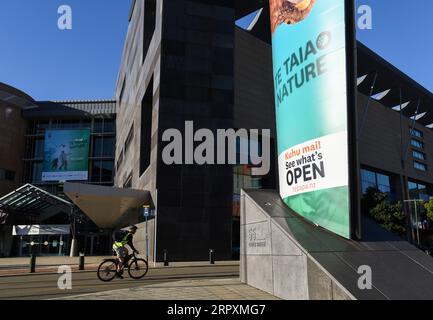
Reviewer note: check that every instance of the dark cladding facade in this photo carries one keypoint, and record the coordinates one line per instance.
(198, 66)
(185, 60)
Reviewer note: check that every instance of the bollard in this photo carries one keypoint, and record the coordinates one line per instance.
(165, 258)
(211, 256)
(81, 262)
(33, 263)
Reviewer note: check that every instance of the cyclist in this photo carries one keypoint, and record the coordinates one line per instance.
(121, 239)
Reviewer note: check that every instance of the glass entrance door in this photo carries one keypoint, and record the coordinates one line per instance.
(43, 245)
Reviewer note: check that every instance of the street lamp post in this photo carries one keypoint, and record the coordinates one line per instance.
(74, 244)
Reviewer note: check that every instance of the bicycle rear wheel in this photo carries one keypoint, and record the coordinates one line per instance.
(107, 270)
(138, 268)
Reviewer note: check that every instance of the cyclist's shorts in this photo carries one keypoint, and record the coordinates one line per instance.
(121, 252)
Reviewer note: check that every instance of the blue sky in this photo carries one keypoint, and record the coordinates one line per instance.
(83, 63)
(50, 64)
(401, 34)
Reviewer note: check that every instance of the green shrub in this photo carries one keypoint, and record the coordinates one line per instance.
(389, 215)
(429, 208)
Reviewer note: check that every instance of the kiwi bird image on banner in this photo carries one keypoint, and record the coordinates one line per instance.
(289, 11)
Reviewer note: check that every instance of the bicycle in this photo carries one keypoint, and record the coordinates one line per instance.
(137, 268)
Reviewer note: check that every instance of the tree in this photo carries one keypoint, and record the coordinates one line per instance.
(389, 215)
(429, 208)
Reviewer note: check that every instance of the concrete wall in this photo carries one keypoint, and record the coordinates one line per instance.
(271, 260)
(136, 71)
(12, 131)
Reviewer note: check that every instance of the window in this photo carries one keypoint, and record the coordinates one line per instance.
(98, 126)
(38, 127)
(371, 179)
(68, 124)
(97, 146)
(128, 182)
(420, 166)
(417, 144)
(122, 92)
(39, 148)
(120, 160)
(108, 146)
(418, 191)
(107, 171)
(383, 183)
(149, 24)
(416, 133)
(129, 138)
(109, 126)
(37, 172)
(96, 171)
(418, 155)
(146, 128)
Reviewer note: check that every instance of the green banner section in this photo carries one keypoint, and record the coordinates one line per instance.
(66, 155)
(310, 80)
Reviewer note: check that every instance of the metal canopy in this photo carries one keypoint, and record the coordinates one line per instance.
(386, 77)
(106, 206)
(29, 199)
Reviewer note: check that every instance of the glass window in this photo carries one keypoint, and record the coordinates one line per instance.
(370, 179)
(39, 148)
(96, 171)
(416, 133)
(149, 24)
(97, 146)
(120, 160)
(417, 144)
(129, 138)
(37, 172)
(87, 124)
(128, 182)
(418, 155)
(109, 145)
(413, 186)
(41, 126)
(383, 183)
(420, 166)
(69, 124)
(109, 126)
(418, 191)
(107, 171)
(98, 126)
(368, 176)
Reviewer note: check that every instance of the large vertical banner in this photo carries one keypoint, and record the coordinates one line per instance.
(66, 155)
(309, 41)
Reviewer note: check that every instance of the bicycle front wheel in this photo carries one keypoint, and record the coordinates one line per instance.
(107, 270)
(138, 268)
